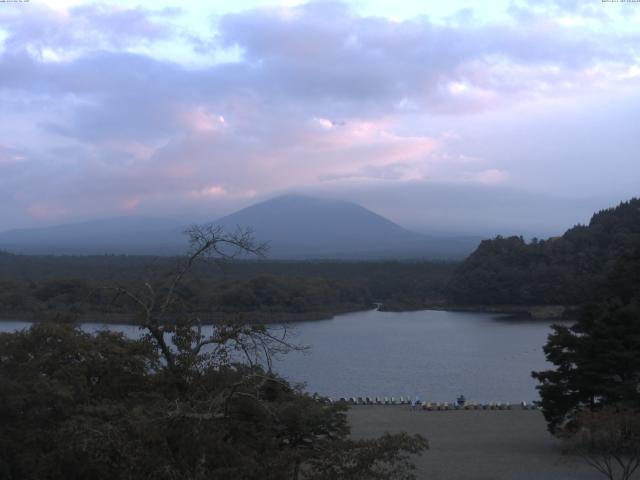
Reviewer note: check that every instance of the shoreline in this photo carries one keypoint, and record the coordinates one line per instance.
(534, 312)
(207, 318)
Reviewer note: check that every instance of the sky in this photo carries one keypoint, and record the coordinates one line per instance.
(474, 117)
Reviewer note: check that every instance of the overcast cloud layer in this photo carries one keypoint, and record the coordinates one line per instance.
(109, 109)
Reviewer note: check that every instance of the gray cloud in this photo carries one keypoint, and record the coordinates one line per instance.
(320, 96)
(84, 27)
(342, 57)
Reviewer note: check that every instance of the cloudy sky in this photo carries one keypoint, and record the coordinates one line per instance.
(445, 115)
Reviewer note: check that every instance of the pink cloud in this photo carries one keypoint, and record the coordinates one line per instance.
(211, 191)
(312, 98)
(490, 176)
(11, 156)
(201, 120)
(43, 211)
(130, 204)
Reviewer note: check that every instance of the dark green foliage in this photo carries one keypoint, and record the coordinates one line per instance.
(597, 360)
(63, 397)
(369, 460)
(573, 269)
(597, 363)
(290, 294)
(46, 286)
(77, 406)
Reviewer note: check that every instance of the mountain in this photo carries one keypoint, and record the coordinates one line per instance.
(126, 235)
(305, 227)
(296, 227)
(581, 266)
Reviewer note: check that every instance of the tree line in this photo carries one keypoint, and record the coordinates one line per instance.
(49, 285)
(573, 269)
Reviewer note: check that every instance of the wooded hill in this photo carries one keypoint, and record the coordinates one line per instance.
(576, 268)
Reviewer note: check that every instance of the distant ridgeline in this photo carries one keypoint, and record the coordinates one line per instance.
(582, 266)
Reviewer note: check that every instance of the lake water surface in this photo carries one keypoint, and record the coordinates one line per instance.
(433, 354)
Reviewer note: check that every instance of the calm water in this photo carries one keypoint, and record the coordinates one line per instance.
(435, 355)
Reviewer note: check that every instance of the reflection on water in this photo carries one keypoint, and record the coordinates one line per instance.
(433, 354)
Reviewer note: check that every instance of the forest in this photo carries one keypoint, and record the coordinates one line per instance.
(572, 269)
(262, 290)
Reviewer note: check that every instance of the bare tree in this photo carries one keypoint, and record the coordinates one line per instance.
(202, 402)
(188, 347)
(609, 441)
(177, 332)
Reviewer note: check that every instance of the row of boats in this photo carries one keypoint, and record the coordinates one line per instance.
(459, 404)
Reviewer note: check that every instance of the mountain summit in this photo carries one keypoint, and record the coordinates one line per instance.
(296, 227)
(306, 227)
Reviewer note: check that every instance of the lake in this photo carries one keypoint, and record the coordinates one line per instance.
(436, 355)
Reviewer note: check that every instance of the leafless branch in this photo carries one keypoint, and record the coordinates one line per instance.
(158, 300)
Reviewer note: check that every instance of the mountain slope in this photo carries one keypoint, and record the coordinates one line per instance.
(578, 267)
(296, 227)
(305, 227)
(131, 235)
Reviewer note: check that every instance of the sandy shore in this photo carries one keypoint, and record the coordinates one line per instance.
(476, 445)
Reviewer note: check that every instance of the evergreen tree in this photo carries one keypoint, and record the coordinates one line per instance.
(597, 363)
(597, 359)
(573, 269)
